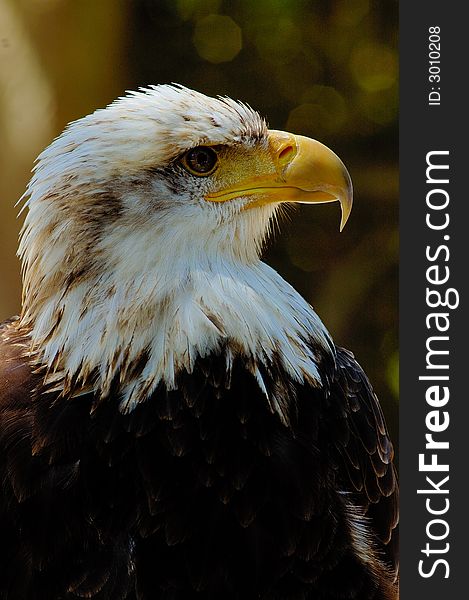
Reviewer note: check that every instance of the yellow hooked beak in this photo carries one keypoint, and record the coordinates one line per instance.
(300, 170)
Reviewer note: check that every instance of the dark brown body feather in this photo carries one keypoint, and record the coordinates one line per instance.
(199, 493)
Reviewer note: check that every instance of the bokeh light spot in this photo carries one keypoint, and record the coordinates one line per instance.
(217, 38)
(374, 66)
(379, 107)
(348, 13)
(322, 112)
(279, 42)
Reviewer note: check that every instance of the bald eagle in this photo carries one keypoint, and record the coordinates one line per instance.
(175, 420)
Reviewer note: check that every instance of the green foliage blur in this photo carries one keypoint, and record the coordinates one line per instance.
(323, 68)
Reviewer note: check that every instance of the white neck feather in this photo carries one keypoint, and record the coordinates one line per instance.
(164, 322)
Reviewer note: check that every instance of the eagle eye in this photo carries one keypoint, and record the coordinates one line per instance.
(200, 161)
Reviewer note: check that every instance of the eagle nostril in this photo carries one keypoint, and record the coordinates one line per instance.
(286, 154)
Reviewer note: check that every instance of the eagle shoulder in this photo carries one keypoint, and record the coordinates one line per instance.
(17, 379)
(363, 454)
(50, 545)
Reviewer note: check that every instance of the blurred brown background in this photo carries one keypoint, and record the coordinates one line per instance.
(323, 68)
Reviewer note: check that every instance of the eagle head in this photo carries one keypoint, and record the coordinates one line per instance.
(142, 239)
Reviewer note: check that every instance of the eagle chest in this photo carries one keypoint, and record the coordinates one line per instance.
(211, 450)
(207, 480)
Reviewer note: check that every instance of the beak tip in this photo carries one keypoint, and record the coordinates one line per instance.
(346, 201)
(346, 209)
